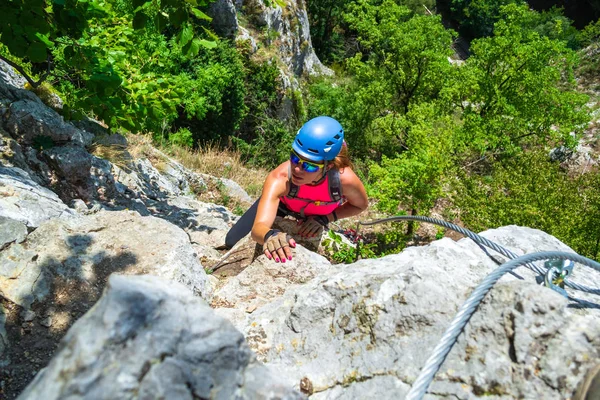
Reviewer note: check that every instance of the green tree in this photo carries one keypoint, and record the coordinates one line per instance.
(530, 190)
(407, 54)
(327, 29)
(477, 17)
(413, 179)
(94, 45)
(332, 38)
(213, 105)
(517, 88)
(405, 64)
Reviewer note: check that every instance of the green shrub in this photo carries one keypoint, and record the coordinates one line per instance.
(530, 190)
(183, 137)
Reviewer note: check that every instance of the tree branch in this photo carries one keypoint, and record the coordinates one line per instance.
(20, 69)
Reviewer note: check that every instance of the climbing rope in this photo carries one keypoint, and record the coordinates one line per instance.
(477, 239)
(439, 354)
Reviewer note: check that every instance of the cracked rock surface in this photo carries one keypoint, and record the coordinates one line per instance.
(369, 327)
(147, 339)
(85, 250)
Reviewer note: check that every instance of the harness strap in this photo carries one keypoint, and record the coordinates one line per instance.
(293, 188)
(335, 184)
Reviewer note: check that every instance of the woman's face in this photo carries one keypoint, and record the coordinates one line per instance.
(299, 174)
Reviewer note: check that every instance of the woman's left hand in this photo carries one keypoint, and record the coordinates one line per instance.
(311, 226)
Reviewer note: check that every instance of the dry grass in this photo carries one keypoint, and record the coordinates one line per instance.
(221, 163)
(140, 146)
(210, 160)
(117, 155)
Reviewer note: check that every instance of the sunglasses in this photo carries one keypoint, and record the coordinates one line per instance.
(305, 165)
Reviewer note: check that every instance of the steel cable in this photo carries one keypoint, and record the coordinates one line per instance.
(439, 354)
(480, 240)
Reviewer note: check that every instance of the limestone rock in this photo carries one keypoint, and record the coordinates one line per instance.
(149, 339)
(24, 200)
(224, 18)
(111, 140)
(11, 153)
(3, 338)
(263, 280)
(245, 36)
(231, 188)
(205, 223)
(32, 121)
(10, 77)
(294, 42)
(375, 323)
(71, 162)
(86, 249)
(11, 231)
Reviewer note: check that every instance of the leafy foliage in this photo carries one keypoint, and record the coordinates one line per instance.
(30, 28)
(413, 179)
(340, 252)
(333, 38)
(213, 104)
(419, 120)
(530, 190)
(404, 64)
(477, 17)
(264, 139)
(518, 88)
(101, 52)
(406, 54)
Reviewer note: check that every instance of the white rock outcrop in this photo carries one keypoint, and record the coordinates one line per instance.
(146, 339)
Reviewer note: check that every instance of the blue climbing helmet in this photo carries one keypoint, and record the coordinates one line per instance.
(319, 139)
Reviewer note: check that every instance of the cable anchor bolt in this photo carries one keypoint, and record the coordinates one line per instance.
(558, 271)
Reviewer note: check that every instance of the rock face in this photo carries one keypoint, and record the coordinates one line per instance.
(87, 249)
(289, 24)
(287, 31)
(35, 123)
(23, 200)
(373, 324)
(146, 339)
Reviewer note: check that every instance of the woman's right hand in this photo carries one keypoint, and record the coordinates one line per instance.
(277, 246)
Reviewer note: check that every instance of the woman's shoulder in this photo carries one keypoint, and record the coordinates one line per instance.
(281, 172)
(277, 181)
(348, 176)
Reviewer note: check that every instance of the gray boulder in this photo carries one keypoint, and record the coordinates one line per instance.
(34, 123)
(72, 163)
(26, 201)
(373, 324)
(146, 339)
(3, 338)
(224, 18)
(231, 188)
(154, 183)
(263, 281)
(109, 140)
(86, 249)
(11, 231)
(80, 175)
(11, 153)
(10, 77)
(205, 223)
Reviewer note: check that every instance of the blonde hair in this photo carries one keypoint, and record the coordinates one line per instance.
(342, 160)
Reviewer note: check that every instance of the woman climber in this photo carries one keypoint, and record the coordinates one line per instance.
(316, 186)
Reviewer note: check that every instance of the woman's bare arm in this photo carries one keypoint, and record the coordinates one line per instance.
(275, 186)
